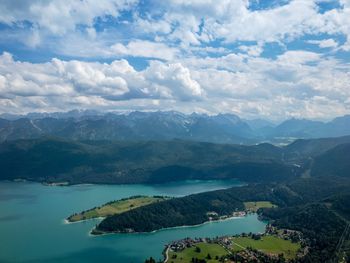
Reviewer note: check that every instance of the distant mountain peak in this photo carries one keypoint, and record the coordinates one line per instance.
(165, 125)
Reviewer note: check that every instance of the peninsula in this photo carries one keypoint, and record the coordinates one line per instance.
(116, 207)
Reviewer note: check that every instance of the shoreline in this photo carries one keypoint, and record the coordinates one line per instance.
(238, 183)
(174, 227)
(67, 222)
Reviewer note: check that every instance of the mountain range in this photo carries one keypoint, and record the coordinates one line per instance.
(168, 125)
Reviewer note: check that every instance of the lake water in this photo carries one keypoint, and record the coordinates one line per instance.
(32, 225)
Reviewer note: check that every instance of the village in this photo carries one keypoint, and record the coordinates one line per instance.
(274, 245)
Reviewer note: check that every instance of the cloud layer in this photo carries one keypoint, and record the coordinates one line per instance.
(297, 83)
(277, 60)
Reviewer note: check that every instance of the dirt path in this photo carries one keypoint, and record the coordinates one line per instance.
(166, 255)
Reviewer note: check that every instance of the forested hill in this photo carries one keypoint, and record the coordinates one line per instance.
(335, 161)
(55, 160)
(316, 206)
(139, 162)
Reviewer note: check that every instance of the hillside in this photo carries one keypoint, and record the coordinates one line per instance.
(164, 161)
(55, 160)
(302, 148)
(335, 161)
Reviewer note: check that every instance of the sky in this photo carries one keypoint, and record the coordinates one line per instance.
(272, 59)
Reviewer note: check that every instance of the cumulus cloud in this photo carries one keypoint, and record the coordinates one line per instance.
(76, 79)
(174, 77)
(295, 84)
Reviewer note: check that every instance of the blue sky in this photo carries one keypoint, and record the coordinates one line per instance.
(273, 59)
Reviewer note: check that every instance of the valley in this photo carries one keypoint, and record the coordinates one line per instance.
(269, 182)
(177, 131)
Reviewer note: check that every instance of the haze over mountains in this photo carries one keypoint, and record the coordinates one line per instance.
(165, 125)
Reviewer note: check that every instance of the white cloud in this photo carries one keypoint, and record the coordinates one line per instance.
(346, 45)
(175, 78)
(297, 83)
(299, 57)
(146, 49)
(253, 51)
(325, 43)
(59, 17)
(169, 24)
(193, 40)
(77, 79)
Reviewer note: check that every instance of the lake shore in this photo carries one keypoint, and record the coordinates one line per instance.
(27, 197)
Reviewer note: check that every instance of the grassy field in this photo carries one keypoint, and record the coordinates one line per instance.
(254, 206)
(268, 244)
(186, 255)
(115, 207)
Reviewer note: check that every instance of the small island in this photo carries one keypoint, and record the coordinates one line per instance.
(115, 207)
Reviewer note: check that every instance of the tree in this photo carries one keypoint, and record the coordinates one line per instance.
(150, 260)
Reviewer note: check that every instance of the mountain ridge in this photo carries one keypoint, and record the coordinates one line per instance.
(167, 125)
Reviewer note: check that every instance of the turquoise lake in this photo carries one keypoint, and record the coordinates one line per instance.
(32, 227)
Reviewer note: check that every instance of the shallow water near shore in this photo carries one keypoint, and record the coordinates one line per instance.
(32, 222)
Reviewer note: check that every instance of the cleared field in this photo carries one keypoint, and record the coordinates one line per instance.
(115, 207)
(186, 255)
(254, 206)
(268, 244)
